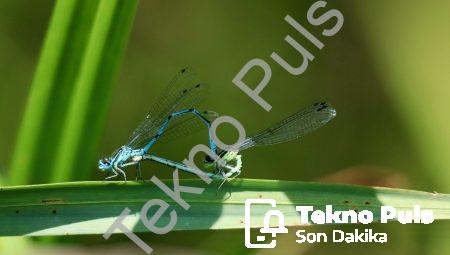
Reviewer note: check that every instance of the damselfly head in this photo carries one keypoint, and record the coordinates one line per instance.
(104, 164)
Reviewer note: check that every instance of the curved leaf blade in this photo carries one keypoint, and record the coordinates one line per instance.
(91, 207)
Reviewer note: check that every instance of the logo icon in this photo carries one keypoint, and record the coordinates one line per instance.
(266, 229)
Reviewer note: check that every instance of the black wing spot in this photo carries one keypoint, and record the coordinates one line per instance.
(197, 86)
(321, 108)
(184, 91)
(54, 211)
(183, 70)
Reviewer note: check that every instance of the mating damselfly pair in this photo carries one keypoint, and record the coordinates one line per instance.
(175, 113)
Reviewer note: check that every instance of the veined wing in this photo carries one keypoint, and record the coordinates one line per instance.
(297, 125)
(181, 93)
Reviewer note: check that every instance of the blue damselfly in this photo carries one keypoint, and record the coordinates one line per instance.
(175, 114)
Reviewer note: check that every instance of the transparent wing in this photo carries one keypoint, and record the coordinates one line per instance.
(295, 126)
(181, 93)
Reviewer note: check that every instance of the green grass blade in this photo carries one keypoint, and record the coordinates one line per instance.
(87, 112)
(53, 83)
(71, 87)
(91, 207)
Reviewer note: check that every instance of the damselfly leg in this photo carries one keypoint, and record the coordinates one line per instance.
(138, 172)
(116, 170)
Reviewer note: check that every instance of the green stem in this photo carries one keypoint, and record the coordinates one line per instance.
(88, 106)
(52, 85)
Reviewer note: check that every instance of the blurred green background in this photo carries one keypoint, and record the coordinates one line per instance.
(386, 73)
